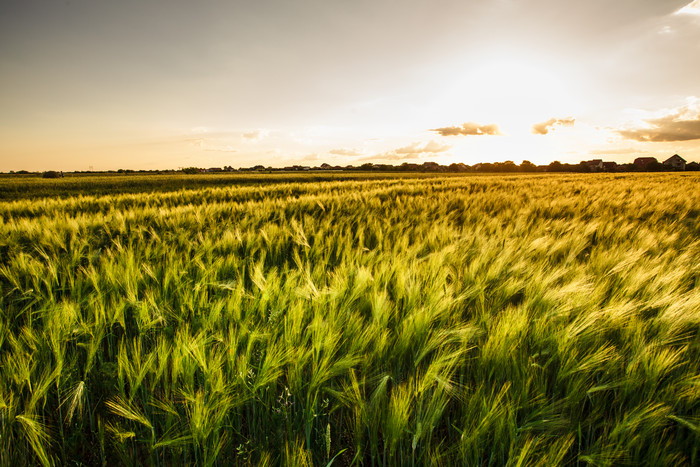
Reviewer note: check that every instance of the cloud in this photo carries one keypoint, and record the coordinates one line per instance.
(681, 124)
(208, 144)
(469, 129)
(314, 156)
(545, 127)
(415, 150)
(195, 142)
(607, 152)
(665, 130)
(221, 149)
(431, 147)
(346, 152)
(693, 8)
(255, 135)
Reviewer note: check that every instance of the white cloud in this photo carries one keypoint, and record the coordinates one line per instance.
(221, 149)
(196, 142)
(346, 152)
(255, 135)
(205, 142)
(314, 156)
(693, 8)
(415, 150)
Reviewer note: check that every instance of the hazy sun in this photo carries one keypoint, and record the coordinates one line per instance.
(515, 93)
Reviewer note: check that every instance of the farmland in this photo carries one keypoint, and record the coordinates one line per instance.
(465, 320)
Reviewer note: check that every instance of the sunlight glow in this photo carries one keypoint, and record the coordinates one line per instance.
(693, 8)
(512, 92)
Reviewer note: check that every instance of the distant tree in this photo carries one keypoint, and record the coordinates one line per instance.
(52, 174)
(527, 166)
(507, 166)
(431, 166)
(582, 167)
(458, 167)
(190, 170)
(555, 166)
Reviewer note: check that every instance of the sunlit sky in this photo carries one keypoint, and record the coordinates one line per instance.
(156, 84)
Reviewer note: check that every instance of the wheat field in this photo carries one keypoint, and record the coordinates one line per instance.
(474, 320)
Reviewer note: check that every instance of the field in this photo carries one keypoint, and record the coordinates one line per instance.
(467, 320)
(14, 187)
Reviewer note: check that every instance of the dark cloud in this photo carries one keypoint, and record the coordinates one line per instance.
(545, 127)
(412, 151)
(469, 129)
(665, 129)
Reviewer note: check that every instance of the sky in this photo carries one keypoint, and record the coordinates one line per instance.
(163, 84)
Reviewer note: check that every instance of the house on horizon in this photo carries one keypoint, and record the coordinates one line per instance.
(642, 162)
(595, 165)
(676, 162)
